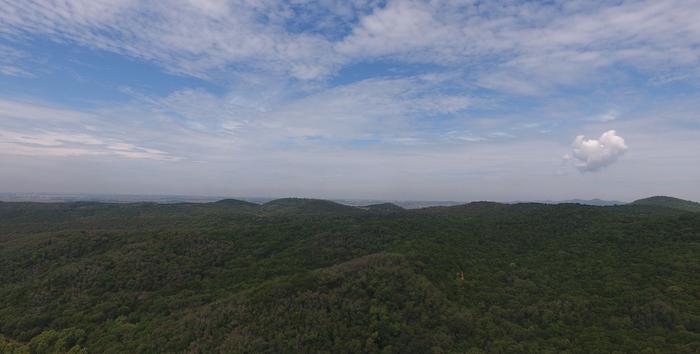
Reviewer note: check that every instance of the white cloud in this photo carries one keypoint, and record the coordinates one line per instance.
(13, 62)
(31, 129)
(193, 124)
(199, 38)
(607, 116)
(594, 154)
(381, 109)
(530, 47)
(509, 46)
(11, 110)
(64, 144)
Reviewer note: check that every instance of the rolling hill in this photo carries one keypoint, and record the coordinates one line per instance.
(669, 202)
(303, 206)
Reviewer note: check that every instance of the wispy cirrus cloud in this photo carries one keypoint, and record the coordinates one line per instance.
(190, 37)
(509, 43)
(30, 129)
(13, 62)
(66, 144)
(380, 109)
(533, 45)
(199, 125)
(18, 111)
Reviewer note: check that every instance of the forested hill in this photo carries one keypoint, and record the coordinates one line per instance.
(312, 276)
(669, 202)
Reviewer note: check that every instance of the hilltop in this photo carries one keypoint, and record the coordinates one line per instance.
(669, 202)
(291, 206)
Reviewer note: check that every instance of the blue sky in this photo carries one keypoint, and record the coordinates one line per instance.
(443, 99)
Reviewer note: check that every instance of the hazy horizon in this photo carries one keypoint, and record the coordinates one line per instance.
(176, 198)
(382, 100)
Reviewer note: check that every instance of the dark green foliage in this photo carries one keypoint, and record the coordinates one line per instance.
(48, 342)
(301, 275)
(669, 202)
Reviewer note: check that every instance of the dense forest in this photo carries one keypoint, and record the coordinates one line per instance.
(313, 276)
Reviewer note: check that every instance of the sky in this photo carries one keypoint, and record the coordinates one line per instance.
(408, 100)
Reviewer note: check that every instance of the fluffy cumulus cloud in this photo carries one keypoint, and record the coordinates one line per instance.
(594, 154)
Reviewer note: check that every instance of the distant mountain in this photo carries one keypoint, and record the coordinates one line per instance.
(172, 199)
(669, 202)
(408, 204)
(596, 202)
(405, 204)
